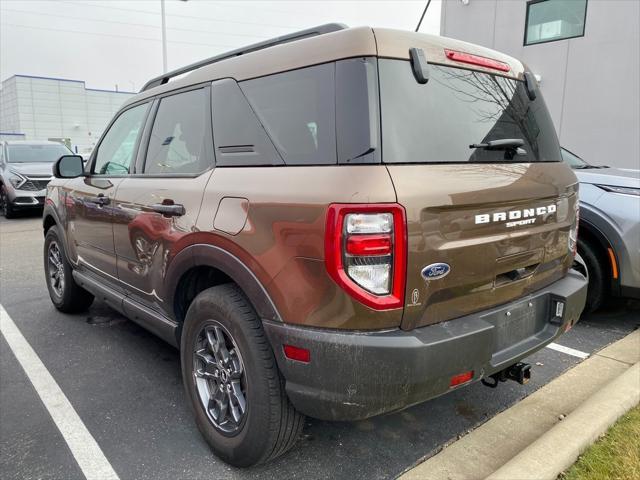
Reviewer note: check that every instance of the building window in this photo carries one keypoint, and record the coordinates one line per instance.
(551, 20)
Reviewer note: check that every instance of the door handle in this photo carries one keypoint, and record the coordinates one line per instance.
(100, 199)
(169, 210)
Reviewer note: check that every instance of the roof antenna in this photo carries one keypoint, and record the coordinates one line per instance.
(423, 13)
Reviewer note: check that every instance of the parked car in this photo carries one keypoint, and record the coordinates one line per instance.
(25, 171)
(338, 223)
(609, 239)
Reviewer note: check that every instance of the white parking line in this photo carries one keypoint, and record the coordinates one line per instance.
(568, 351)
(85, 449)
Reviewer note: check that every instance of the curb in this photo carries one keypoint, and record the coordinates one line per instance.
(562, 419)
(558, 449)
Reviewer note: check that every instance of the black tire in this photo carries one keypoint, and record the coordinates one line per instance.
(270, 425)
(598, 288)
(67, 296)
(6, 208)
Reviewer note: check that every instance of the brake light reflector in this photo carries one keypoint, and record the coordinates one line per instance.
(296, 353)
(461, 378)
(476, 60)
(365, 252)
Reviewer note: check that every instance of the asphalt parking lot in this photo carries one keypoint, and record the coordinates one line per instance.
(125, 385)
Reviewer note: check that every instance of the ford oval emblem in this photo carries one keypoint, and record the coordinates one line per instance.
(435, 271)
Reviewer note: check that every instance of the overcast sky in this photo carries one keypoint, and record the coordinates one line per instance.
(118, 42)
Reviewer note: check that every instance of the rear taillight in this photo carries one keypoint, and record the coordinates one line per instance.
(365, 252)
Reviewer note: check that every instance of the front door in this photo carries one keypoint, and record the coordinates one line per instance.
(90, 198)
(158, 206)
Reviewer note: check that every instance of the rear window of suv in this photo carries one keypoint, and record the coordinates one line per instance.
(437, 121)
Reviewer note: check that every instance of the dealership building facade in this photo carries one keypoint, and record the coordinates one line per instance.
(41, 108)
(586, 54)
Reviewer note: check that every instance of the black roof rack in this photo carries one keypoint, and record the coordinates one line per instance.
(291, 37)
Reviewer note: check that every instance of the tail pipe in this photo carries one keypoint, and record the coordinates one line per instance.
(520, 372)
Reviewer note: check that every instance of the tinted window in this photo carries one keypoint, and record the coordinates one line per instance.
(549, 20)
(36, 153)
(437, 121)
(117, 148)
(239, 137)
(177, 143)
(298, 111)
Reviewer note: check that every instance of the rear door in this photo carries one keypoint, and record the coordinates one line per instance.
(158, 205)
(485, 226)
(90, 198)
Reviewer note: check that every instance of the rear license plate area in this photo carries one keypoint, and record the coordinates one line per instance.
(519, 322)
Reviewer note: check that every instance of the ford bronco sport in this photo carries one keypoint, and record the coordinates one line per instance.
(338, 223)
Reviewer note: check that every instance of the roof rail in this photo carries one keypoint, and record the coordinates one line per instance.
(291, 37)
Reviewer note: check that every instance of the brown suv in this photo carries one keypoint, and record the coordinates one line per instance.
(338, 223)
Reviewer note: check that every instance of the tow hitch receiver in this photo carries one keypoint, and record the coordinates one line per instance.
(520, 372)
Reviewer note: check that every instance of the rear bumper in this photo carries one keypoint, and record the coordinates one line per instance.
(353, 376)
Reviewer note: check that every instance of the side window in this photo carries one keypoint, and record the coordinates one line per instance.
(117, 148)
(297, 109)
(177, 144)
(239, 137)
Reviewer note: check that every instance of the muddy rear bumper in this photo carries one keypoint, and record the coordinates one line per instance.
(358, 375)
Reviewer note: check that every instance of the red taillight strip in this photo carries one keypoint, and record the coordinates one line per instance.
(376, 244)
(333, 246)
(476, 60)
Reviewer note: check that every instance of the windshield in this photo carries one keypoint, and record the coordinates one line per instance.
(36, 153)
(436, 122)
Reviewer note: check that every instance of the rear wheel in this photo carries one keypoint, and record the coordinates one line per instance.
(5, 205)
(232, 380)
(598, 287)
(65, 293)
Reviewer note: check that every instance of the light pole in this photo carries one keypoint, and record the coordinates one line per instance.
(164, 36)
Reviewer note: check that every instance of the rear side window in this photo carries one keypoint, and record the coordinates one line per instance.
(240, 139)
(177, 143)
(297, 109)
(437, 121)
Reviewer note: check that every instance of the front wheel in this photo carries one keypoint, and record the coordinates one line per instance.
(66, 295)
(232, 381)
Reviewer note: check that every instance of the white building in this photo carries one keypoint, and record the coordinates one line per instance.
(587, 53)
(40, 108)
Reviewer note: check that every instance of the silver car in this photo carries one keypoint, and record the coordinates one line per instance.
(609, 232)
(25, 171)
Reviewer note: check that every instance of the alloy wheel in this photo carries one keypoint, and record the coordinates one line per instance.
(220, 378)
(55, 269)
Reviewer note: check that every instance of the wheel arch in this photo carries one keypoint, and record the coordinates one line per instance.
(593, 236)
(201, 266)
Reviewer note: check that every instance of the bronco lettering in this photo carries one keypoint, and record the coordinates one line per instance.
(515, 215)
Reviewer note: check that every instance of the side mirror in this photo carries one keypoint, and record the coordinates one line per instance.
(69, 166)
